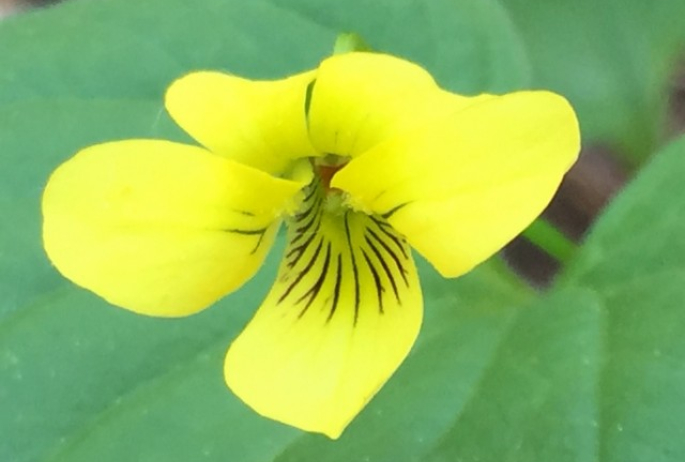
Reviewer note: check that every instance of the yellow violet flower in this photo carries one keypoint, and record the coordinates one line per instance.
(363, 158)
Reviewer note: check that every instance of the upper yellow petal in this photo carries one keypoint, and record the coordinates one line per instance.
(462, 187)
(361, 99)
(341, 317)
(160, 228)
(257, 123)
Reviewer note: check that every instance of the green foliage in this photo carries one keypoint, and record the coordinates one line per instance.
(614, 59)
(592, 371)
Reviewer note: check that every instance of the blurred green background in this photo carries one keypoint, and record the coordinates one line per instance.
(592, 368)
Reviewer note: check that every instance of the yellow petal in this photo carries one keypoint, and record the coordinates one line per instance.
(157, 227)
(361, 99)
(257, 123)
(341, 317)
(460, 189)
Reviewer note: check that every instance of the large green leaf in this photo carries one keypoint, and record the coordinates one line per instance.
(641, 234)
(635, 259)
(612, 58)
(537, 401)
(113, 49)
(83, 381)
(595, 372)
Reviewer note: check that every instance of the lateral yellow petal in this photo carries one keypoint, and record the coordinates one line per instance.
(160, 228)
(343, 314)
(361, 99)
(256, 123)
(460, 189)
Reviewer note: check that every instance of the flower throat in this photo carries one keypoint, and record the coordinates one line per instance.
(341, 260)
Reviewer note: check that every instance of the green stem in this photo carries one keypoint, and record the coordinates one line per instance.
(550, 239)
(349, 41)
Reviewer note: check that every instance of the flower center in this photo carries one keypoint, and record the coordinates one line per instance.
(326, 172)
(340, 260)
(327, 166)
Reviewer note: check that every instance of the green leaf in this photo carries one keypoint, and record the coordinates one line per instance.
(596, 371)
(469, 45)
(641, 234)
(537, 401)
(613, 59)
(635, 258)
(81, 380)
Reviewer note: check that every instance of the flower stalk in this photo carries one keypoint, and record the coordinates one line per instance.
(548, 238)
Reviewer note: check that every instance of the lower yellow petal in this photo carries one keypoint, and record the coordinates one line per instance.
(160, 228)
(463, 187)
(341, 317)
